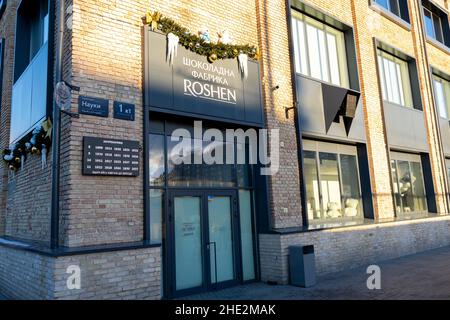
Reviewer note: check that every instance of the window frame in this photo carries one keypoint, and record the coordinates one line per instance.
(300, 36)
(446, 92)
(409, 158)
(319, 147)
(402, 17)
(404, 84)
(434, 17)
(438, 16)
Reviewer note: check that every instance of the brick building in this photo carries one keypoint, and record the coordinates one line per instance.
(358, 89)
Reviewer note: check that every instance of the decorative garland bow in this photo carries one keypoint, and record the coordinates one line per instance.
(152, 19)
(37, 142)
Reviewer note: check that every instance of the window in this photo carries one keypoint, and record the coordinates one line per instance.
(29, 98)
(319, 50)
(408, 182)
(166, 172)
(433, 25)
(436, 23)
(397, 7)
(442, 96)
(332, 183)
(395, 80)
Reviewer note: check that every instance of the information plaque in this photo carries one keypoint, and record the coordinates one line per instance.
(110, 157)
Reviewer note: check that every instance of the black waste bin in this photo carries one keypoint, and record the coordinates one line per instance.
(302, 266)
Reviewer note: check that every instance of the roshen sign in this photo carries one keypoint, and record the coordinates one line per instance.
(209, 81)
(194, 87)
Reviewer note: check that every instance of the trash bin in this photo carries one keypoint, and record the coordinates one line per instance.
(302, 266)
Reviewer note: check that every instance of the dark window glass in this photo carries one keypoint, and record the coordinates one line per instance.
(351, 194)
(244, 170)
(156, 160)
(394, 7)
(184, 169)
(397, 7)
(409, 187)
(438, 28)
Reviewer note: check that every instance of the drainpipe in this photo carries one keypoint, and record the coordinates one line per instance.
(54, 232)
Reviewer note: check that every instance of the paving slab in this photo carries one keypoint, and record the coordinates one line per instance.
(421, 276)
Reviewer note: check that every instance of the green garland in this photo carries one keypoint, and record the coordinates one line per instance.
(32, 143)
(195, 44)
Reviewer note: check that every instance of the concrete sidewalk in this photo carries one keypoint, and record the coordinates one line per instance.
(421, 276)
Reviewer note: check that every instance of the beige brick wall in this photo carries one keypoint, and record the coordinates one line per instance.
(284, 188)
(352, 247)
(120, 275)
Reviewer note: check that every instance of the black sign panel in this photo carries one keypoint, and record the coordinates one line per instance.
(124, 111)
(110, 157)
(93, 106)
(194, 87)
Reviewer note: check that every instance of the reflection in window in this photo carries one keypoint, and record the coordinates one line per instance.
(332, 186)
(329, 182)
(418, 186)
(156, 213)
(156, 160)
(244, 170)
(185, 171)
(409, 187)
(350, 186)
(312, 185)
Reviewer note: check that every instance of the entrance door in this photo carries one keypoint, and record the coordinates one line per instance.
(203, 241)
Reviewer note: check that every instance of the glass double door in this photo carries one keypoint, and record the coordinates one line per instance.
(203, 241)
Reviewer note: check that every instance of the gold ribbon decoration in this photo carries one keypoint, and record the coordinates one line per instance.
(152, 19)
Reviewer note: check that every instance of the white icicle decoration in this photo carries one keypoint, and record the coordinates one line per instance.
(243, 64)
(22, 161)
(44, 156)
(172, 47)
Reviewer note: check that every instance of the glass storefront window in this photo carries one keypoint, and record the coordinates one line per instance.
(156, 209)
(418, 187)
(397, 197)
(350, 186)
(406, 191)
(187, 173)
(332, 184)
(409, 188)
(312, 185)
(329, 182)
